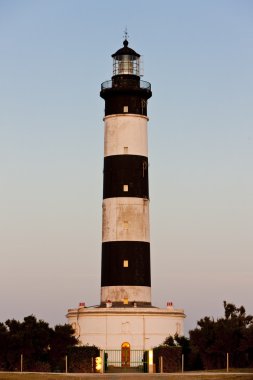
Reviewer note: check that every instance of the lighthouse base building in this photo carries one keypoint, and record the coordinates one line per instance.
(125, 319)
(109, 328)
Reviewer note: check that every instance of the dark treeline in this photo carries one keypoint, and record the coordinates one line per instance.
(208, 344)
(43, 348)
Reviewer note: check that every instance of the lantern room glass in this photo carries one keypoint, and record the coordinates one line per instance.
(126, 64)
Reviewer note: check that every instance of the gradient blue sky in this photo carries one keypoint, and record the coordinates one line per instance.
(198, 57)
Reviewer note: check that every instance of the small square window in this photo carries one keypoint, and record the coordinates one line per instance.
(125, 149)
(125, 188)
(125, 109)
(125, 263)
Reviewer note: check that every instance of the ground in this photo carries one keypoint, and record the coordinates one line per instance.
(177, 376)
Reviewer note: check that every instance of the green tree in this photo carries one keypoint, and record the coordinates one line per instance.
(30, 338)
(82, 358)
(3, 346)
(213, 339)
(170, 341)
(36, 336)
(40, 345)
(62, 339)
(190, 359)
(14, 347)
(171, 352)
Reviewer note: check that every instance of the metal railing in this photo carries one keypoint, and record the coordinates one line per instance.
(115, 362)
(143, 85)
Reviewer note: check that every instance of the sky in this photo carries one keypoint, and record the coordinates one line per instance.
(198, 57)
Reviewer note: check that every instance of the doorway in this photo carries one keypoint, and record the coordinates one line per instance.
(125, 354)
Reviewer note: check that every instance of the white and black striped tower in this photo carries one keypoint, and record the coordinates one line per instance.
(125, 277)
(125, 319)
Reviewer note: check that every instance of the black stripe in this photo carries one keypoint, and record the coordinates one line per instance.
(115, 104)
(130, 170)
(138, 256)
(126, 90)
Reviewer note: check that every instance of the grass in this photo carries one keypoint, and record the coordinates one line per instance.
(185, 376)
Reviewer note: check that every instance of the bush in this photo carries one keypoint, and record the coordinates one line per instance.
(172, 358)
(82, 358)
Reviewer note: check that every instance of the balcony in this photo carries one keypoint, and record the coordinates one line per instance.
(143, 85)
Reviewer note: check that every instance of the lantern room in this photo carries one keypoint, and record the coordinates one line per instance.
(126, 61)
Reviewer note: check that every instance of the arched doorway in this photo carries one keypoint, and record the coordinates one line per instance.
(125, 354)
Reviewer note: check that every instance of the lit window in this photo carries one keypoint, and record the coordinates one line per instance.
(125, 263)
(125, 109)
(125, 188)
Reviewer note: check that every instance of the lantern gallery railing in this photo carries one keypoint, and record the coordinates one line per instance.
(109, 84)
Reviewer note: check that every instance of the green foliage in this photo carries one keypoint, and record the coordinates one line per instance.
(171, 357)
(42, 347)
(45, 348)
(3, 345)
(169, 341)
(212, 340)
(171, 352)
(62, 339)
(82, 358)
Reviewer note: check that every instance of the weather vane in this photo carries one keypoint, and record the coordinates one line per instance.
(126, 35)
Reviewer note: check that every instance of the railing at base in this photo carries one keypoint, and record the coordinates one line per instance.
(114, 362)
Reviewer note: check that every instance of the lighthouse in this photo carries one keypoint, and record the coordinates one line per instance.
(125, 274)
(125, 318)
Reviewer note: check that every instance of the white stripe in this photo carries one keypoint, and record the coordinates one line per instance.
(125, 219)
(132, 293)
(125, 134)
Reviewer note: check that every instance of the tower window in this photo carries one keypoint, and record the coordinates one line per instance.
(125, 263)
(125, 225)
(125, 109)
(125, 188)
(125, 149)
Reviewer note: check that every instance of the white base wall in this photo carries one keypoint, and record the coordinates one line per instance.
(142, 328)
(131, 293)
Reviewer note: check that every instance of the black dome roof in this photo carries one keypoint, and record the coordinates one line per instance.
(125, 51)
